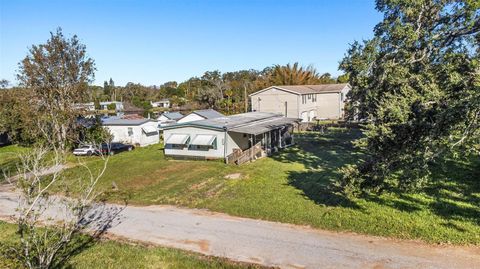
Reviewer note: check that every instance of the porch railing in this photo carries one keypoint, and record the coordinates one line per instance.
(238, 156)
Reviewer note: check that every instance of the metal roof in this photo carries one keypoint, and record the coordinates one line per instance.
(250, 123)
(263, 126)
(173, 115)
(110, 102)
(208, 113)
(112, 122)
(307, 89)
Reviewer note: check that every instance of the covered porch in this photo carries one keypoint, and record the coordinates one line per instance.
(260, 141)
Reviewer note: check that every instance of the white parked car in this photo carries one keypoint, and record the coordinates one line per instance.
(85, 150)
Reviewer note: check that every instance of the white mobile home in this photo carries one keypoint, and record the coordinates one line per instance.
(90, 106)
(140, 132)
(168, 118)
(307, 102)
(200, 115)
(219, 138)
(164, 103)
(118, 105)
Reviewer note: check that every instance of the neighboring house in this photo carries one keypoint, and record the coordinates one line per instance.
(118, 105)
(220, 137)
(85, 106)
(164, 103)
(140, 132)
(200, 115)
(168, 118)
(307, 102)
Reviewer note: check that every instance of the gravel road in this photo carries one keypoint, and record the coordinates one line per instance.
(270, 243)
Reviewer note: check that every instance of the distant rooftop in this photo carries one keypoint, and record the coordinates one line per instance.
(173, 115)
(110, 102)
(306, 89)
(162, 100)
(208, 113)
(121, 121)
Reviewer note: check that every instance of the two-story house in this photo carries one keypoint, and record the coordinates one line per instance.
(306, 102)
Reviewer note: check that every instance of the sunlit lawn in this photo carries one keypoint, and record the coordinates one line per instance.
(9, 159)
(295, 187)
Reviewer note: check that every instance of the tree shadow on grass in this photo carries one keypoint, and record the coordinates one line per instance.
(401, 203)
(456, 190)
(453, 195)
(321, 155)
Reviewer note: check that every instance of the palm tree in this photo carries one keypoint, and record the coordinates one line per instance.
(294, 75)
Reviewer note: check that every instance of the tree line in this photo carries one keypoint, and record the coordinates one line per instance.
(227, 92)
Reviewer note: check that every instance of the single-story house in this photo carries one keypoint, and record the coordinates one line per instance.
(140, 132)
(201, 115)
(118, 105)
(164, 103)
(220, 137)
(307, 102)
(168, 118)
(90, 106)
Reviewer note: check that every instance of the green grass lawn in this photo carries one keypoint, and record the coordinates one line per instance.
(111, 254)
(295, 187)
(9, 159)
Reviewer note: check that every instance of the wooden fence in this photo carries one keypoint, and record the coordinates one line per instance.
(238, 156)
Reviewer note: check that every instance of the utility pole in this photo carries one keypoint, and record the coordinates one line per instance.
(245, 97)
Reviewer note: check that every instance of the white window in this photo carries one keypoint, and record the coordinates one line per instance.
(130, 131)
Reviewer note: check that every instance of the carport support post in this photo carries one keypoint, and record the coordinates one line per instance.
(279, 138)
(225, 143)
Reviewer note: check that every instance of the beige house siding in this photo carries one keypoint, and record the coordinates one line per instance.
(237, 141)
(308, 106)
(329, 106)
(273, 100)
(342, 103)
(326, 105)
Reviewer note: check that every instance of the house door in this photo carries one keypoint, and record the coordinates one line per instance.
(312, 115)
(304, 116)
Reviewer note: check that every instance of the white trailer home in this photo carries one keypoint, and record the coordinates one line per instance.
(201, 115)
(168, 118)
(139, 132)
(118, 105)
(223, 137)
(164, 103)
(307, 102)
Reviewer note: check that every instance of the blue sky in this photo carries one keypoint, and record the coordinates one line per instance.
(151, 42)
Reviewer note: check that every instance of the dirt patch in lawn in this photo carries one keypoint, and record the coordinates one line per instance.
(200, 185)
(233, 176)
(160, 174)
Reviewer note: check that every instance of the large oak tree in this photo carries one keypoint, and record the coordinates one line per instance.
(417, 84)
